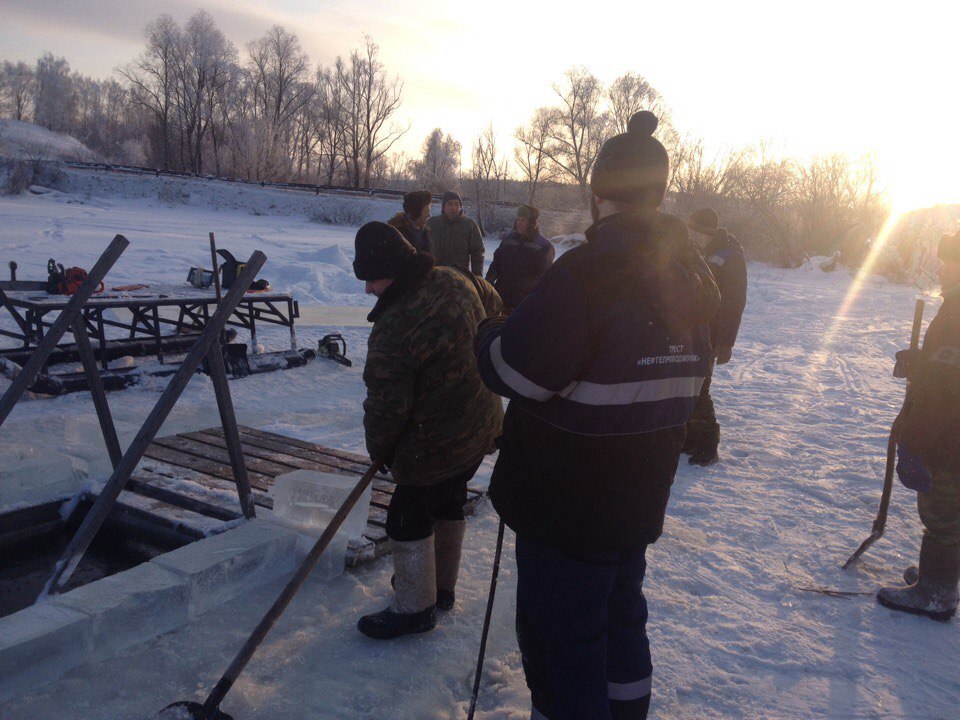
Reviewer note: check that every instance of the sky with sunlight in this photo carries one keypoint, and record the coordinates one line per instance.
(807, 77)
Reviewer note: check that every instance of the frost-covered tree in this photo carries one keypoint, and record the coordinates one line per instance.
(437, 169)
(280, 76)
(369, 99)
(17, 87)
(152, 85)
(54, 99)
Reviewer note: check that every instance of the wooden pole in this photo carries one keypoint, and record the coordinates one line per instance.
(231, 433)
(96, 390)
(178, 382)
(48, 343)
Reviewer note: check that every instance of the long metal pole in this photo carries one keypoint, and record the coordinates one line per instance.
(48, 343)
(151, 426)
(486, 623)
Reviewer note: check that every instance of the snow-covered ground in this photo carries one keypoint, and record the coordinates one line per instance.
(805, 407)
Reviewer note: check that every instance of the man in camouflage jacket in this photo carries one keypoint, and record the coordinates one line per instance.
(928, 452)
(427, 416)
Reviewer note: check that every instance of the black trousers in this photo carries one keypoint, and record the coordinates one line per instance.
(703, 430)
(413, 508)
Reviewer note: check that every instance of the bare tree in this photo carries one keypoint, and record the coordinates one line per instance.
(530, 154)
(694, 173)
(17, 87)
(152, 78)
(202, 66)
(369, 99)
(329, 126)
(488, 174)
(279, 71)
(578, 127)
(839, 206)
(437, 169)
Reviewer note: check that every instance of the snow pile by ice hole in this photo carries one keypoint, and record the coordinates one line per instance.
(737, 629)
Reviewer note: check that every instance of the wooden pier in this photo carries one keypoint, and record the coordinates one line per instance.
(192, 471)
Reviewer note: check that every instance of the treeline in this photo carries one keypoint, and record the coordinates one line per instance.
(191, 101)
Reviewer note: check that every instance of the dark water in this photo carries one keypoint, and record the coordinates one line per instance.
(25, 566)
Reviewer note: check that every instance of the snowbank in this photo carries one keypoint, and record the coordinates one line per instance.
(26, 141)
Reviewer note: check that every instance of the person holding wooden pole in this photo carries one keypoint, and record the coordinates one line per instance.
(928, 453)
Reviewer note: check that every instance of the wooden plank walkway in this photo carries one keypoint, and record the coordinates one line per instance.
(192, 471)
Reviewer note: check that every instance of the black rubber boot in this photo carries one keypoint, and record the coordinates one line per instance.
(414, 609)
(704, 457)
(448, 544)
(934, 595)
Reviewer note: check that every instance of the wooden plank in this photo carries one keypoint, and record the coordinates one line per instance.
(254, 451)
(304, 445)
(327, 460)
(207, 488)
(205, 466)
(209, 452)
(180, 498)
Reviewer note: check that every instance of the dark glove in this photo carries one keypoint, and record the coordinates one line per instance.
(906, 361)
(912, 471)
(723, 354)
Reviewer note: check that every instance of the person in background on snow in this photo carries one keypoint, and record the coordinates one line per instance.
(603, 363)
(725, 258)
(427, 416)
(412, 222)
(455, 238)
(928, 453)
(523, 258)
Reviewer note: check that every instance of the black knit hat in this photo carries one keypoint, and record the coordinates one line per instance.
(379, 252)
(450, 195)
(705, 221)
(415, 201)
(949, 249)
(632, 168)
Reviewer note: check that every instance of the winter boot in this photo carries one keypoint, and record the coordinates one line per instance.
(448, 540)
(414, 609)
(704, 457)
(934, 595)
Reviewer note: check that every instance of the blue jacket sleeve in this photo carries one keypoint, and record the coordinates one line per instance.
(542, 347)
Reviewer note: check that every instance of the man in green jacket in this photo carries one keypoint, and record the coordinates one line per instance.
(427, 416)
(455, 239)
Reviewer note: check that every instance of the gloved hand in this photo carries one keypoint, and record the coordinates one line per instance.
(912, 471)
(906, 360)
(723, 354)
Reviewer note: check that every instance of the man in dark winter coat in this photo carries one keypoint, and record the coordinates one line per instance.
(725, 258)
(412, 221)
(427, 416)
(928, 452)
(603, 363)
(455, 238)
(523, 258)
